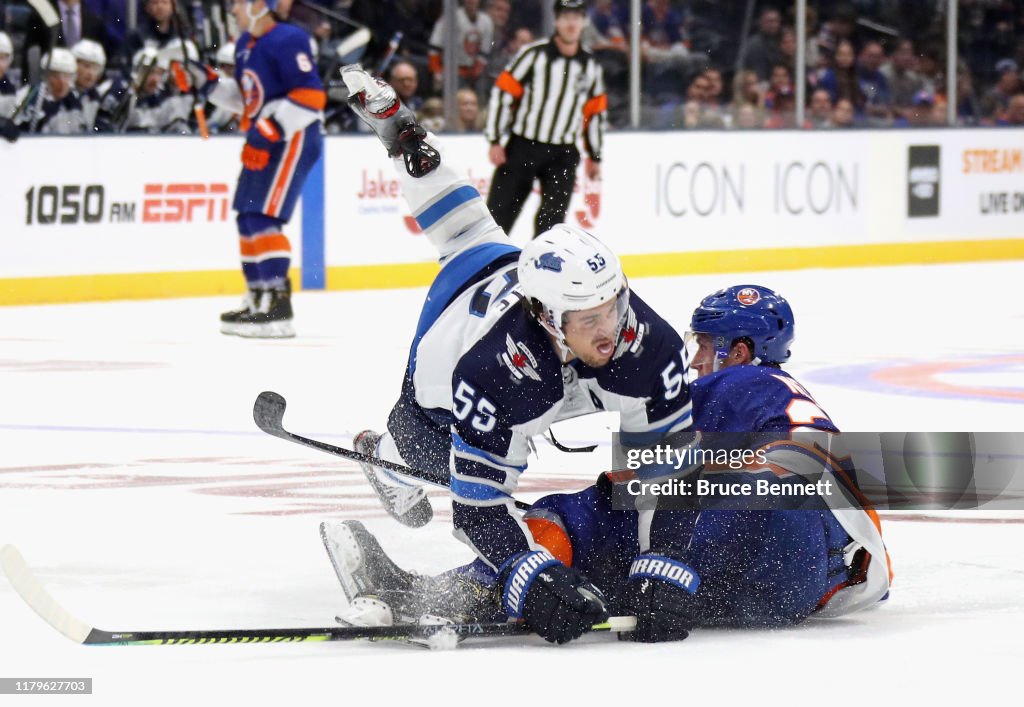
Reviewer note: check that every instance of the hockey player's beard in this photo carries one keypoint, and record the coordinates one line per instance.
(599, 353)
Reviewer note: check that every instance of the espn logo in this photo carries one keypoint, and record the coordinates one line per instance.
(185, 203)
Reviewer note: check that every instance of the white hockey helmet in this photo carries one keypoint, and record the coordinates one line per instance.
(172, 52)
(88, 50)
(60, 60)
(6, 47)
(566, 269)
(226, 54)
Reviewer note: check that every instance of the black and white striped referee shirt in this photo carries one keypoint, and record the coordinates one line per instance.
(544, 96)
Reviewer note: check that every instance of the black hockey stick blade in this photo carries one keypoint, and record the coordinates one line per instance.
(42, 602)
(268, 412)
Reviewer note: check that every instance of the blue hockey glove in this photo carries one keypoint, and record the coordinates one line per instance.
(557, 602)
(659, 594)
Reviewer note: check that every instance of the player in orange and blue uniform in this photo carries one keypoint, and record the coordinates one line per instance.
(277, 91)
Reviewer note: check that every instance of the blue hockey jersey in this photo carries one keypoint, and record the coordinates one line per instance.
(277, 76)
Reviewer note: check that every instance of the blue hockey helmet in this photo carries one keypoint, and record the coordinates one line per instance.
(746, 312)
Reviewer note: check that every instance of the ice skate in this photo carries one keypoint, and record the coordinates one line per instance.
(377, 105)
(373, 584)
(249, 304)
(269, 318)
(380, 593)
(408, 505)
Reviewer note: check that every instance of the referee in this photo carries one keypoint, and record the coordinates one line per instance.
(550, 92)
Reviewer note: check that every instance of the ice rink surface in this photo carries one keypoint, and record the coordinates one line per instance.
(137, 486)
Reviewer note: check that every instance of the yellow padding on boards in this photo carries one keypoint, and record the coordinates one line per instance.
(91, 288)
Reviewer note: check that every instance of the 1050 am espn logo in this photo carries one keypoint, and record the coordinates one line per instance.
(172, 203)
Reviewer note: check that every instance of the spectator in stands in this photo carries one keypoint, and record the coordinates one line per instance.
(780, 79)
(841, 79)
(968, 107)
(431, 115)
(608, 28)
(762, 51)
(475, 35)
(747, 116)
(873, 84)
(76, 22)
(714, 98)
(503, 52)
(156, 27)
(499, 12)
(844, 114)
(529, 14)
(115, 23)
(405, 80)
(698, 111)
(747, 90)
(930, 63)
(819, 109)
(901, 75)
(783, 109)
(468, 116)
(663, 34)
(997, 98)
(1014, 111)
(839, 27)
(787, 48)
(919, 114)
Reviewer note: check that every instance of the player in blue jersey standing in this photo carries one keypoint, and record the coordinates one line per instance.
(278, 93)
(508, 342)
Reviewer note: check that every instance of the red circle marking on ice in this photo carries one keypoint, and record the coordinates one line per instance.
(923, 376)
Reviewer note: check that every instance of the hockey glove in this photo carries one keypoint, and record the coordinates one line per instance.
(557, 602)
(261, 137)
(9, 130)
(659, 593)
(195, 73)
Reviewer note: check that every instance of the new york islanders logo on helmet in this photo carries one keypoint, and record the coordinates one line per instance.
(748, 296)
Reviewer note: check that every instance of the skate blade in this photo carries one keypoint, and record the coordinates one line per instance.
(270, 330)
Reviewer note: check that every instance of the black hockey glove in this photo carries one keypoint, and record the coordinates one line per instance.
(659, 595)
(9, 130)
(420, 158)
(556, 601)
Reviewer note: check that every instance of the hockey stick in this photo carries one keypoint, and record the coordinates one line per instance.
(181, 78)
(330, 14)
(268, 412)
(43, 603)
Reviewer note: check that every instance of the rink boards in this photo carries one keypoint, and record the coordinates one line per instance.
(137, 217)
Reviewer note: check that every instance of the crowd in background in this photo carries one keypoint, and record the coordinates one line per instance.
(870, 63)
